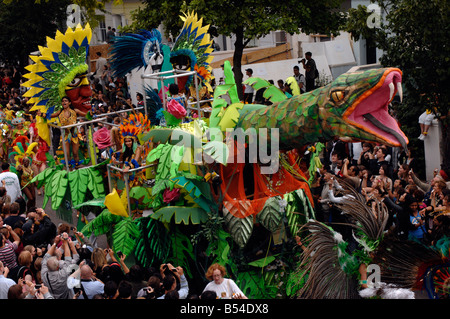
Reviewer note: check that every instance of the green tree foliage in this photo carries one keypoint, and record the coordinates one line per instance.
(25, 24)
(244, 19)
(415, 37)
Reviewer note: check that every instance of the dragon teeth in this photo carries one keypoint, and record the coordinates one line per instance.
(392, 90)
(400, 91)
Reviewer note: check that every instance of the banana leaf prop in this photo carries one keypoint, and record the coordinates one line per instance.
(56, 181)
(102, 224)
(271, 92)
(153, 246)
(125, 234)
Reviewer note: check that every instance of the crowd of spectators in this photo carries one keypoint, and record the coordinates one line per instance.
(417, 210)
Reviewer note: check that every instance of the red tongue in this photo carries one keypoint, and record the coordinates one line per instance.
(182, 83)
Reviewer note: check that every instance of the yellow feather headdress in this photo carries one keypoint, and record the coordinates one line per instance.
(60, 62)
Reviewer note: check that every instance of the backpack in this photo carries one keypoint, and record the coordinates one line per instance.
(316, 74)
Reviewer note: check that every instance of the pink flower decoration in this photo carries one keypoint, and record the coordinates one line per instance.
(171, 195)
(102, 138)
(176, 109)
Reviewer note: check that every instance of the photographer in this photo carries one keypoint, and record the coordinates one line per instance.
(38, 229)
(171, 276)
(153, 289)
(84, 278)
(55, 275)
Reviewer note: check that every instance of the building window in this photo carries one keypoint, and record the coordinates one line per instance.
(102, 29)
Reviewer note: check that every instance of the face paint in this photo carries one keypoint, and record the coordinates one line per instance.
(79, 92)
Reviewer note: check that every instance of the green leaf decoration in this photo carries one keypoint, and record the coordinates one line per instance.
(59, 184)
(170, 119)
(271, 214)
(161, 185)
(125, 234)
(78, 181)
(254, 286)
(169, 156)
(271, 92)
(43, 177)
(195, 191)
(230, 116)
(153, 246)
(229, 79)
(298, 210)
(64, 211)
(220, 248)
(295, 282)
(95, 182)
(263, 262)
(218, 151)
(181, 249)
(98, 202)
(239, 228)
(141, 194)
(181, 214)
(158, 135)
(102, 224)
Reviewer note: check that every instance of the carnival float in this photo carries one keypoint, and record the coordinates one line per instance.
(188, 188)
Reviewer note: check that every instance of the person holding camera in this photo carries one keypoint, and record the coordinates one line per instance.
(55, 275)
(310, 71)
(171, 277)
(85, 279)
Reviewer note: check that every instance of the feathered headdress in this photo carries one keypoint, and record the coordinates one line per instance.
(132, 51)
(134, 125)
(58, 65)
(20, 153)
(193, 42)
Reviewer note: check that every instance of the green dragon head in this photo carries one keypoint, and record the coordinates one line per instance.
(355, 107)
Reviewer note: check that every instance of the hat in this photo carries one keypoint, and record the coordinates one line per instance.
(249, 70)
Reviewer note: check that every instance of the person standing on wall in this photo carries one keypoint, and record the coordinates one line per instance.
(311, 72)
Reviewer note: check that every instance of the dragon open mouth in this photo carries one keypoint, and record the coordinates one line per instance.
(370, 112)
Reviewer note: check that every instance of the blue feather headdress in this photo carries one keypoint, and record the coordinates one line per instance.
(132, 51)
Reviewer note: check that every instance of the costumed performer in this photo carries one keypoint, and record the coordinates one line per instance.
(59, 72)
(66, 117)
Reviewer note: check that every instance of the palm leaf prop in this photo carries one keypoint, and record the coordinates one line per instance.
(298, 210)
(102, 224)
(271, 92)
(141, 197)
(95, 182)
(125, 235)
(59, 184)
(255, 286)
(181, 214)
(220, 248)
(331, 270)
(196, 192)
(153, 246)
(169, 159)
(181, 251)
(78, 182)
(220, 104)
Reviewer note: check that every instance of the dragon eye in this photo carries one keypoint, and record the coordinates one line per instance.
(75, 82)
(337, 96)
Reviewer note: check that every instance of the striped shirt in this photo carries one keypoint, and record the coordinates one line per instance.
(8, 254)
